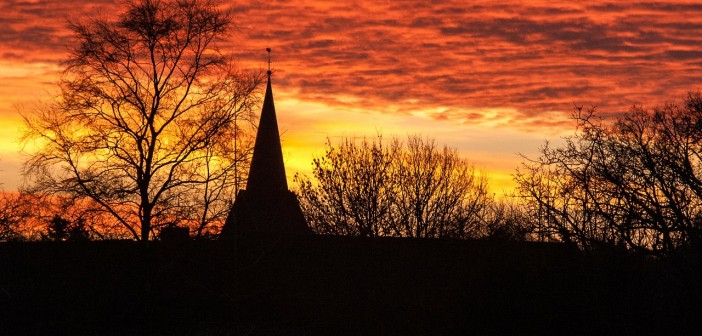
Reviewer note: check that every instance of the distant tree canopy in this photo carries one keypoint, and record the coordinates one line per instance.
(13, 213)
(61, 229)
(374, 187)
(151, 125)
(635, 184)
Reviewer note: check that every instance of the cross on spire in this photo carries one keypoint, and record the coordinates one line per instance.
(269, 60)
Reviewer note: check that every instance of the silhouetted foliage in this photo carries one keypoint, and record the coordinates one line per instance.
(83, 213)
(148, 125)
(505, 220)
(14, 211)
(61, 229)
(376, 188)
(635, 184)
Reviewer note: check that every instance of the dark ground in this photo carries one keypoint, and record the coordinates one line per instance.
(338, 286)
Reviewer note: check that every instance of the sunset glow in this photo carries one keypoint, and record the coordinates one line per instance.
(490, 78)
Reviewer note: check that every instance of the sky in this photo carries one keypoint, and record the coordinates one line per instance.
(493, 79)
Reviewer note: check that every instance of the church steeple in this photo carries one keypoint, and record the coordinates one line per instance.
(267, 173)
(266, 205)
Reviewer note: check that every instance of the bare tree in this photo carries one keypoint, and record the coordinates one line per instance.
(147, 118)
(353, 193)
(438, 193)
(634, 184)
(377, 188)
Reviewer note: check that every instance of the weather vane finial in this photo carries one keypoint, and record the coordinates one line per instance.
(269, 60)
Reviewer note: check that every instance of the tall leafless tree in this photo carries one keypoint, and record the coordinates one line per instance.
(147, 119)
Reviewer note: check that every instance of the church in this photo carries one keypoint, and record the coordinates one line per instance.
(266, 205)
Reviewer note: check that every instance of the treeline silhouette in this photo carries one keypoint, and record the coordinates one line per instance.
(374, 188)
(633, 184)
(630, 184)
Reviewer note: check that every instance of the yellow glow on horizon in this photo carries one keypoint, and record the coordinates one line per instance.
(305, 127)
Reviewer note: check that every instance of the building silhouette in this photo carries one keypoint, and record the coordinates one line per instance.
(266, 205)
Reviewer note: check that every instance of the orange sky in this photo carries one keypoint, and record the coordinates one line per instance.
(491, 78)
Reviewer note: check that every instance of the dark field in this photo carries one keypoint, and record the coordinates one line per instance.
(314, 285)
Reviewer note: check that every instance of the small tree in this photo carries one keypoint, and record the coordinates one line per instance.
(148, 125)
(438, 193)
(60, 229)
(353, 194)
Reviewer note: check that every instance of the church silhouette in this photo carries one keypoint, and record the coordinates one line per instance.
(266, 205)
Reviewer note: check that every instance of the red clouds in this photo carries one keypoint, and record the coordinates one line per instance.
(532, 58)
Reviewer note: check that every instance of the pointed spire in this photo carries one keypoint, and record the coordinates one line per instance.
(266, 205)
(267, 173)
